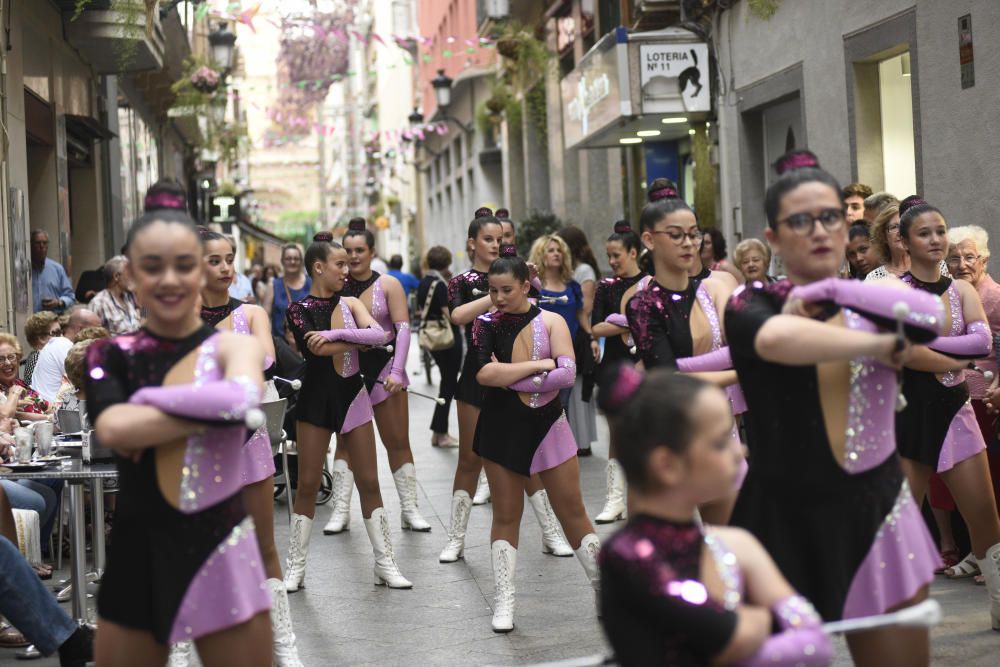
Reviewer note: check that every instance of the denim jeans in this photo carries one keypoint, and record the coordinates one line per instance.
(26, 603)
(41, 496)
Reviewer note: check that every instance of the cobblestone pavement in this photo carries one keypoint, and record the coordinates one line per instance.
(341, 618)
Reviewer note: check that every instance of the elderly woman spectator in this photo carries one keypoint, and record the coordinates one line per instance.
(38, 329)
(19, 400)
(752, 257)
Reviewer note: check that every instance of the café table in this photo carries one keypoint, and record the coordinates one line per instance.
(76, 474)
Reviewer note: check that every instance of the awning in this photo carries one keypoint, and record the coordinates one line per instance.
(632, 87)
(263, 234)
(86, 127)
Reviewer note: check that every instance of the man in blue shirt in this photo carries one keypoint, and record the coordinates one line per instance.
(408, 280)
(50, 286)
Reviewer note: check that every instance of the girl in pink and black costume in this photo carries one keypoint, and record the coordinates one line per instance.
(938, 432)
(674, 592)
(825, 493)
(172, 400)
(524, 357)
(225, 313)
(385, 379)
(329, 329)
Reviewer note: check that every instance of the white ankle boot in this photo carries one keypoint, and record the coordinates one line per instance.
(406, 486)
(553, 541)
(590, 546)
(343, 489)
(182, 654)
(284, 651)
(482, 490)
(990, 567)
(386, 571)
(614, 505)
(461, 505)
(298, 546)
(504, 558)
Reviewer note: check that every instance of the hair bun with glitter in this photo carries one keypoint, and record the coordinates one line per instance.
(622, 227)
(910, 202)
(662, 188)
(483, 212)
(501, 214)
(508, 250)
(619, 386)
(357, 225)
(798, 159)
(323, 237)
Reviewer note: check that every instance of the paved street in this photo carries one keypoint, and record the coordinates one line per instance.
(342, 619)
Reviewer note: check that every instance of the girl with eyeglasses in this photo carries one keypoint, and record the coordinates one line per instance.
(818, 362)
(938, 431)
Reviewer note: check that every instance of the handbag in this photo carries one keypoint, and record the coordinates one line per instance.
(434, 335)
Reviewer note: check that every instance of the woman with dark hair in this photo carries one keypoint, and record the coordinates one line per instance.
(608, 323)
(166, 194)
(225, 313)
(674, 591)
(860, 252)
(173, 399)
(825, 493)
(523, 357)
(432, 300)
(938, 431)
(329, 328)
(713, 253)
(385, 380)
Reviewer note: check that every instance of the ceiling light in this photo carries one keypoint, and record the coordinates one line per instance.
(630, 140)
(691, 132)
(647, 133)
(676, 120)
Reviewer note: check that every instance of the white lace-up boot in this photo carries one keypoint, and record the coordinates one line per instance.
(553, 541)
(482, 490)
(990, 567)
(504, 558)
(298, 547)
(182, 654)
(386, 571)
(461, 505)
(614, 504)
(406, 486)
(590, 546)
(285, 653)
(343, 489)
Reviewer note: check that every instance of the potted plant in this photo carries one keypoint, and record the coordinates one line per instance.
(205, 79)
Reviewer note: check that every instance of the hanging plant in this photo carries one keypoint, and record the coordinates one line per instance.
(763, 9)
(525, 56)
(196, 84)
(228, 141)
(205, 79)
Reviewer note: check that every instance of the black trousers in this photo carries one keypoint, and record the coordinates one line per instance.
(449, 362)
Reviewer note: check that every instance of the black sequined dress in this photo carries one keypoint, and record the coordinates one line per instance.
(608, 301)
(463, 288)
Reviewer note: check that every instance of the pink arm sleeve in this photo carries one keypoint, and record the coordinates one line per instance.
(975, 344)
(373, 335)
(922, 323)
(398, 370)
(617, 319)
(562, 377)
(717, 360)
(220, 400)
(801, 641)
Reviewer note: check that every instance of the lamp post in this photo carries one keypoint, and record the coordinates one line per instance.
(223, 45)
(217, 109)
(442, 91)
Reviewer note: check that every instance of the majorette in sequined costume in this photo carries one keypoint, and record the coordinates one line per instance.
(463, 288)
(191, 568)
(831, 506)
(258, 460)
(656, 609)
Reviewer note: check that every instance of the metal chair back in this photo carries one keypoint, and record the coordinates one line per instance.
(274, 412)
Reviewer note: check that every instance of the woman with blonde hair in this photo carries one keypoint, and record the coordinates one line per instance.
(752, 257)
(38, 329)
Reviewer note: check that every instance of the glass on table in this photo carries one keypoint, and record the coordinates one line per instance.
(43, 438)
(22, 440)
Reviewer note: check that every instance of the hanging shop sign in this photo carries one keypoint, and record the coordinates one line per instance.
(225, 209)
(674, 78)
(592, 93)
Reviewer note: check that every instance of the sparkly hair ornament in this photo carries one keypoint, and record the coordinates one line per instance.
(625, 383)
(910, 202)
(796, 160)
(357, 225)
(508, 250)
(622, 227)
(165, 200)
(323, 237)
(501, 214)
(663, 193)
(483, 212)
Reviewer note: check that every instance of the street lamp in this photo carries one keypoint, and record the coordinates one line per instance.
(223, 43)
(442, 91)
(416, 118)
(217, 109)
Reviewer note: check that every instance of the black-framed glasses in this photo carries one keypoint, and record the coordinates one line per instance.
(677, 236)
(803, 224)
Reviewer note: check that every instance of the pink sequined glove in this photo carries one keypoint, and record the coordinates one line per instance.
(397, 372)
(976, 343)
(717, 360)
(373, 335)
(561, 377)
(219, 400)
(801, 642)
(617, 319)
(877, 302)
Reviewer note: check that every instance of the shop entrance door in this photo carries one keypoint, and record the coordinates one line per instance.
(782, 128)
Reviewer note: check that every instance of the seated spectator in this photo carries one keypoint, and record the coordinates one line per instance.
(72, 391)
(115, 304)
(51, 360)
(854, 200)
(38, 329)
(19, 400)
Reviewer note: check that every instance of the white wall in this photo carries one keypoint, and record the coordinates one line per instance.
(896, 103)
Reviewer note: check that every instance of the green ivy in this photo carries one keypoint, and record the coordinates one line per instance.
(763, 9)
(537, 224)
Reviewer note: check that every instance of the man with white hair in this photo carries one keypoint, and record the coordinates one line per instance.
(50, 367)
(114, 304)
